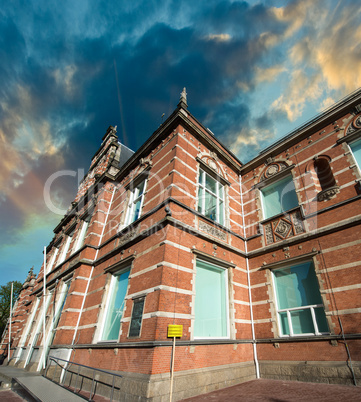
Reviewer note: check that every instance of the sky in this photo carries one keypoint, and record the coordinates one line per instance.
(253, 70)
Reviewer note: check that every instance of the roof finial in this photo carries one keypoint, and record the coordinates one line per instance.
(183, 99)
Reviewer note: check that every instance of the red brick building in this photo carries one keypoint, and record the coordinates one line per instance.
(260, 263)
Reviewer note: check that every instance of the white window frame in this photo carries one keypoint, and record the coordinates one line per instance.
(226, 284)
(65, 248)
(352, 152)
(28, 327)
(133, 199)
(112, 281)
(59, 308)
(82, 233)
(38, 325)
(288, 311)
(50, 265)
(202, 200)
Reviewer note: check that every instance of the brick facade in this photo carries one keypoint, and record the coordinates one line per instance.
(142, 216)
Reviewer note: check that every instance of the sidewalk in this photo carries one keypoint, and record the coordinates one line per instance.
(37, 386)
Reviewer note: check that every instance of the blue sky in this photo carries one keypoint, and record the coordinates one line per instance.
(253, 71)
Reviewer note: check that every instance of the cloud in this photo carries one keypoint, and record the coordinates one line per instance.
(305, 89)
(218, 37)
(268, 74)
(326, 58)
(70, 69)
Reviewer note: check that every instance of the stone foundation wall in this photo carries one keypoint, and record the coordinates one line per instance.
(315, 371)
(155, 388)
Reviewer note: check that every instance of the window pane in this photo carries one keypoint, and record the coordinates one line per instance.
(321, 319)
(220, 191)
(356, 150)
(140, 189)
(116, 306)
(279, 197)
(297, 286)
(221, 213)
(210, 206)
(200, 199)
(284, 323)
(302, 322)
(211, 184)
(210, 198)
(210, 303)
(137, 314)
(137, 207)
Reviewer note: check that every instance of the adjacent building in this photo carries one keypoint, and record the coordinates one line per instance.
(259, 262)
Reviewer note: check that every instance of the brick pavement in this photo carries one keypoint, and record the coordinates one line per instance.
(282, 391)
(10, 396)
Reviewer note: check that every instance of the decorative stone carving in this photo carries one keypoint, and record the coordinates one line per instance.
(283, 227)
(297, 222)
(212, 231)
(272, 169)
(128, 236)
(113, 171)
(211, 161)
(327, 194)
(354, 125)
(268, 233)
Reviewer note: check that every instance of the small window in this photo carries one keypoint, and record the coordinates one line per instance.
(210, 197)
(356, 151)
(115, 306)
(279, 197)
(324, 174)
(211, 301)
(300, 309)
(137, 314)
(135, 204)
(81, 237)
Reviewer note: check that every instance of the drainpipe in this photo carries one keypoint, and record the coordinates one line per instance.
(249, 284)
(10, 318)
(91, 273)
(44, 308)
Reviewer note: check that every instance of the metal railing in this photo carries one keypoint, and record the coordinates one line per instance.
(66, 367)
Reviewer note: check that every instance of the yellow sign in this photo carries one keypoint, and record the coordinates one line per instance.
(175, 331)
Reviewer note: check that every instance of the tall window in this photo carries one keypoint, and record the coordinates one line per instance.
(82, 233)
(356, 151)
(279, 197)
(210, 197)
(55, 321)
(299, 305)
(135, 203)
(65, 247)
(52, 259)
(115, 306)
(211, 302)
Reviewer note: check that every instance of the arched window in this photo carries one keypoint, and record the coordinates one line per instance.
(324, 173)
(323, 179)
